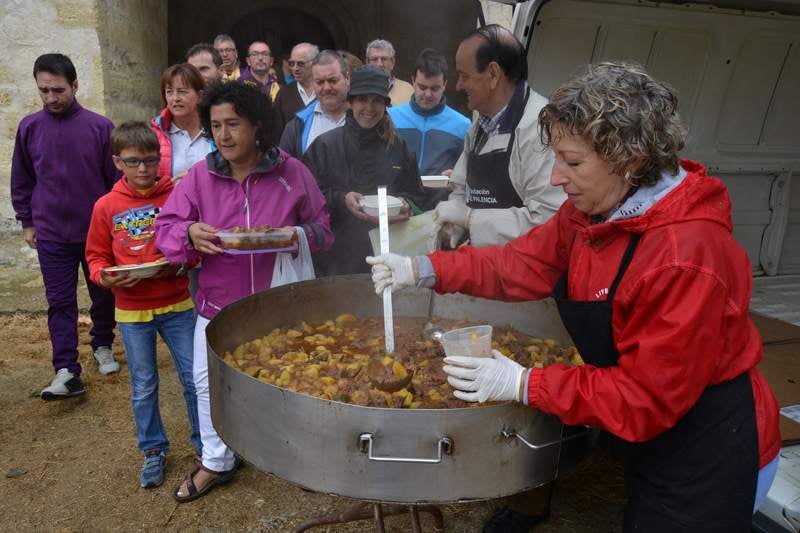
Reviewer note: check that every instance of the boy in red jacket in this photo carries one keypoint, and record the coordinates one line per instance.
(122, 232)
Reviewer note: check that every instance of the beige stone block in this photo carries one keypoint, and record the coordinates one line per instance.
(6, 75)
(76, 14)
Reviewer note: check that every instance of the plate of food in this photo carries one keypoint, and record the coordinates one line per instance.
(259, 239)
(138, 270)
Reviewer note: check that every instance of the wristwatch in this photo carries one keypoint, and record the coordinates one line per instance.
(182, 270)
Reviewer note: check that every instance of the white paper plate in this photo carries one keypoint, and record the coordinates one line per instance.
(435, 182)
(141, 270)
(370, 205)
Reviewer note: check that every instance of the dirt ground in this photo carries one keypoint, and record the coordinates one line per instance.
(73, 465)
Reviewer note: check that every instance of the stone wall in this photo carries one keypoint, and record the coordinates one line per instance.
(118, 47)
(133, 47)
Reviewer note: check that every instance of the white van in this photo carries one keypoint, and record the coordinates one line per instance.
(736, 67)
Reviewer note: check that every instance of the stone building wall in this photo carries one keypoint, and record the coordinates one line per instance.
(119, 50)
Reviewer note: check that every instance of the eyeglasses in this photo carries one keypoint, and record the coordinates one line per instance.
(259, 54)
(379, 59)
(226, 50)
(134, 162)
(296, 63)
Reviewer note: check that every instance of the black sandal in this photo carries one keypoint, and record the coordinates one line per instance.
(222, 477)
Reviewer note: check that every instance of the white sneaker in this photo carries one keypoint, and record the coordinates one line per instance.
(106, 363)
(64, 385)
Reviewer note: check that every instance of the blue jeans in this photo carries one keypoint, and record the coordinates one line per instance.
(139, 338)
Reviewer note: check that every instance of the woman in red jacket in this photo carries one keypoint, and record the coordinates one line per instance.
(180, 134)
(654, 291)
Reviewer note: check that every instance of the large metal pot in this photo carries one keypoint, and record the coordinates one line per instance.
(391, 455)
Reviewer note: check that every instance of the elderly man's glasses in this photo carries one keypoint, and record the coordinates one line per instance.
(259, 54)
(296, 63)
(226, 50)
(134, 162)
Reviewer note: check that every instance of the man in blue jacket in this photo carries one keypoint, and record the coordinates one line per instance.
(62, 164)
(327, 111)
(428, 125)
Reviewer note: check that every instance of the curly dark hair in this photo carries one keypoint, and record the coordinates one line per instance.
(249, 103)
(630, 119)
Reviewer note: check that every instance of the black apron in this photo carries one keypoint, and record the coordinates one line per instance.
(701, 474)
(488, 179)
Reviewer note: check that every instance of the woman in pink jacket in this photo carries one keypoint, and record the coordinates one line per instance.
(248, 182)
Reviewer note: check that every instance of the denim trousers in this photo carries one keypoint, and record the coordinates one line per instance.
(59, 264)
(139, 339)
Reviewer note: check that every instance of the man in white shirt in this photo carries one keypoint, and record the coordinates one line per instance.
(331, 83)
(300, 92)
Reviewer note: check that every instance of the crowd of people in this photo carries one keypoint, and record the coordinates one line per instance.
(581, 197)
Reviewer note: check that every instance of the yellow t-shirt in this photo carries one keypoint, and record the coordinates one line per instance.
(146, 315)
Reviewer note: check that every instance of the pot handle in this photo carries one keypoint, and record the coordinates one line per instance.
(508, 433)
(443, 446)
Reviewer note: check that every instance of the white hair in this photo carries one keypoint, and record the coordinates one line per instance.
(380, 44)
(313, 50)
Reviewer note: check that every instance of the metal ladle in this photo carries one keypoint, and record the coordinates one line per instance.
(432, 331)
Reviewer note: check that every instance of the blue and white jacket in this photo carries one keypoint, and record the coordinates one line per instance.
(436, 135)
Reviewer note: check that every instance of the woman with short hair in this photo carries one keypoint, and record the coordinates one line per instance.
(178, 127)
(248, 182)
(654, 291)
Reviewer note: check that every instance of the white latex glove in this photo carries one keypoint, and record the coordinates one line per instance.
(452, 212)
(484, 379)
(392, 270)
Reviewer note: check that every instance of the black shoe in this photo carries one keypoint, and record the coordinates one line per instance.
(507, 521)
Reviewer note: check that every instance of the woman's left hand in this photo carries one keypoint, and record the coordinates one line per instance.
(485, 379)
(352, 201)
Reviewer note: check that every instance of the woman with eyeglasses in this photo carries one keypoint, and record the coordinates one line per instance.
(178, 127)
(248, 182)
(352, 161)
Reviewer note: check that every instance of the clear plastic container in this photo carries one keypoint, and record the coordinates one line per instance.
(475, 341)
(255, 239)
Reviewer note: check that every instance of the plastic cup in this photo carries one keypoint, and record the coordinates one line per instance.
(475, 341)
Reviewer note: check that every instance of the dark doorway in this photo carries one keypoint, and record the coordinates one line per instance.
(281, 29)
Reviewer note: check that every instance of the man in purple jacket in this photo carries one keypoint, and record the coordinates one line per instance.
(62, 164)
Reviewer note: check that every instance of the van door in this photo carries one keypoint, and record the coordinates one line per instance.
(737, 75)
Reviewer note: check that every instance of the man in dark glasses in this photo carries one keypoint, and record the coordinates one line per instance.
(300, 92)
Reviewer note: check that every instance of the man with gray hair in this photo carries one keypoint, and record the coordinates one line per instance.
(331, 82)
(226, 47)
(380, 52)
(300, 92)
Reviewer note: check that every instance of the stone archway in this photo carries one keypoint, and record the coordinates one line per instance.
(281, 28)
(337, 22)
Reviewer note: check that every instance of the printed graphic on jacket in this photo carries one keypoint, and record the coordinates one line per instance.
(139, 223)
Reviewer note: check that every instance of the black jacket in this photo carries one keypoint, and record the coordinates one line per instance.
(287, 103)
(348, 159)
